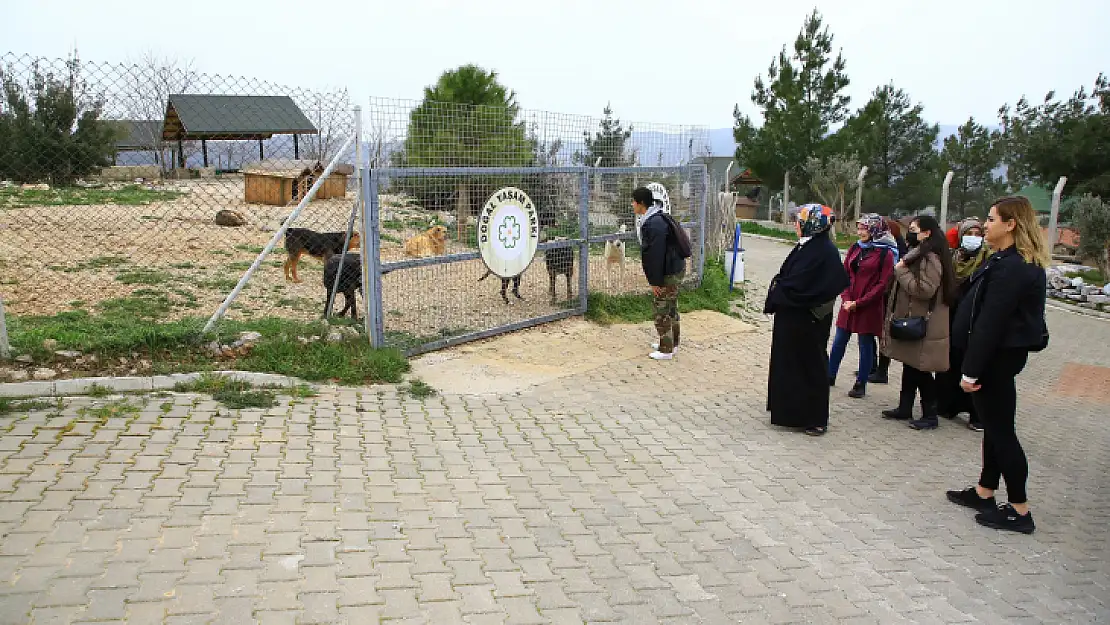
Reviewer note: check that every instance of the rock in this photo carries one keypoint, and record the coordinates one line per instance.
(230, 218)
(249, 337)
(1098, 299)
(25, 359)
(36, 187)
(1077, 282)
(214, 348)
(1075, 298)
(68, 354)
(18, 375)
(49, 344)
(1088, 305)
(335, 336)
(44, 374)
(92, 358)
(1059, 282)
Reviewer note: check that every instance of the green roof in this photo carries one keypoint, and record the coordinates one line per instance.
(136, 134)
(1039, 197)
(232, 117)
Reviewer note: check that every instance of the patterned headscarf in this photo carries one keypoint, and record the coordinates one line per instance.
(876, 225)
(815, 219)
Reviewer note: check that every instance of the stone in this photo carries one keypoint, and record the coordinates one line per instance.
(230, 218)
(1088, 305)
(1098, 299)
(335, 336)
(44, 373)
(68, 354)
(49, 344)
(18, 375)
(1075, 297)
(25, 359)
(248, 336)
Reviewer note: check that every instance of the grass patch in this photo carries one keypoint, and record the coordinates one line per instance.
(9, 405)
(713, 294)
(98, 390)
(230, 392)
(253, 249)
(102, 414)
(131, 195)
(1091, 276)
(385, 236)
(419, 389)
(99, 262)
(143, 276)
(222, 285)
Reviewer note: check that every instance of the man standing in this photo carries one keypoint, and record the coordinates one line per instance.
(664, 266)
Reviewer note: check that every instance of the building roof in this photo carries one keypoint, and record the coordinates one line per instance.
(136, 134)
(232, 117)
(283, 167)
(1039, 197)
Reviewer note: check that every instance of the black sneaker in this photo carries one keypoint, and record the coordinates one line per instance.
(1004, 517)
(858, 391)
(975, 426)
(970, 498)
(925, 424)
(896, 414)
(877, 378)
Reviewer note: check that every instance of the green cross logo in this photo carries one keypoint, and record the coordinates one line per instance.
(509, 232)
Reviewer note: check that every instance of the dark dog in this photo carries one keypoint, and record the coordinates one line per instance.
(559, 261)
(349, 282)
(322, 245)
(505, 285)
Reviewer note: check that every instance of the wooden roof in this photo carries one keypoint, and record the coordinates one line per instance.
(232, 117)
(283, 168)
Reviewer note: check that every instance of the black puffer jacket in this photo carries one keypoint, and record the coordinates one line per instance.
(658, 252)
(1003, 310)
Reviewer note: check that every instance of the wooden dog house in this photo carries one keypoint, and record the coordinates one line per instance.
(279, 182)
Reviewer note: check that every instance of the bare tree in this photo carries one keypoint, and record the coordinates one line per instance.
(150, 85)
(831, 179)
(331, 114)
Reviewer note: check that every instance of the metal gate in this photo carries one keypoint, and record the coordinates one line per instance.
(428, 303)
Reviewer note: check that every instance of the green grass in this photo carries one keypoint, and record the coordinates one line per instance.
(128, 325)
(843, 241)
(9, 405)
(98, 390)
(713, 294)
(143, 276)
(101, 414)
(1090, 276)
(131, 195)
(100, 262)
(419, 389)
(229, 392)
(385, 236)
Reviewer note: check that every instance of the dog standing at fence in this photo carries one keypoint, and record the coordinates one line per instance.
(349, 281)
(614, 253)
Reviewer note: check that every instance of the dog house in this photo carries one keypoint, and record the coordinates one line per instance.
(279, 182)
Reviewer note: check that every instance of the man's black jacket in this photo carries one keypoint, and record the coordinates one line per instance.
(658, 251)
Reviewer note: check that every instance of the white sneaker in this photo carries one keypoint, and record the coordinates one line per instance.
(655, 346)
(660, 356)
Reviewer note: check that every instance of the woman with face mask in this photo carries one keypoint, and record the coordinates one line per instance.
(924, 287)
(970, 254)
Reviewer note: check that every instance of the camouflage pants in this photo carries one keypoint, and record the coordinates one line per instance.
(664, 308)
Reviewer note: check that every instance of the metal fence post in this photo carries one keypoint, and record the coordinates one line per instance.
(373, 285)
(5, 347)
(584, 247)
(786, 198)
(1053, 233)
(944, 199)
(701, 223)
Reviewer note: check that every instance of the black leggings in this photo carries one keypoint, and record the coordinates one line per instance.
(996, 403)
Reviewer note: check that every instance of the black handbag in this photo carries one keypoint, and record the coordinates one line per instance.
(911, 328)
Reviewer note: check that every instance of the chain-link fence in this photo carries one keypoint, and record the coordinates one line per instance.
(151, 188)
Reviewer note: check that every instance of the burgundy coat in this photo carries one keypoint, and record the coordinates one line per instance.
(866, 289)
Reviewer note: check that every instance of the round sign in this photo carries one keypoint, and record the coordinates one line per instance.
(659, 192)
(508, 232)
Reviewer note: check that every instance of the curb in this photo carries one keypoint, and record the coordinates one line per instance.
(1075, 310)
(81, 386)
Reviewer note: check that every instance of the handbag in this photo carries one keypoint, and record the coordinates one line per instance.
(911, 328)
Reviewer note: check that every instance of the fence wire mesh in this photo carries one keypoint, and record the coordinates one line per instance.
(150, 188)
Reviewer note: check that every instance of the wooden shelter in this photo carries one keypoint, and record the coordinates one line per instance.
(198, 117)
(279, 182)
(137, 135)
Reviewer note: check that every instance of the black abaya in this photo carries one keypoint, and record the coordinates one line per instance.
(798, 386)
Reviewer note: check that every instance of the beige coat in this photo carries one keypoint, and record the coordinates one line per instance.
(909, 297)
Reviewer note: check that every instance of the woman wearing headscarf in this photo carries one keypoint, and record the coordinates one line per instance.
(967, 258)
(897, 243)
(924, 287)
(869, 265)
(801, 297)
(1000, 321)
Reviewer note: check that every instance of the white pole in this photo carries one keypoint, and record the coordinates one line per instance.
(1056, 194)
(5, 347)
(364, 244)
(786, 198)
(944, 199)
(859, 191)
(277, 237)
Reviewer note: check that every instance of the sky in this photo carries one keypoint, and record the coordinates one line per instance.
(654, 61)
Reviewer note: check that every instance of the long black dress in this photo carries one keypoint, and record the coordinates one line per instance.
(810, 278)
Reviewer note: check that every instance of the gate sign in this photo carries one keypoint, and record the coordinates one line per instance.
(508, 232)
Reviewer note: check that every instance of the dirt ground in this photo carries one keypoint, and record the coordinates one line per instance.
(56, 258)
(520, 360)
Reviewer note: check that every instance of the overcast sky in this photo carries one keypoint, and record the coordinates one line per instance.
(655, 61)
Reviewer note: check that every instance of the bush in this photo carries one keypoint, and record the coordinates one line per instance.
(1092, 218)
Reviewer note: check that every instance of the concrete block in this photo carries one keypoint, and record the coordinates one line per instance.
(27, 389)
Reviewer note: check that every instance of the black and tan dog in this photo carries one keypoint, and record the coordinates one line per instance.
(505, 285)
(322, 245)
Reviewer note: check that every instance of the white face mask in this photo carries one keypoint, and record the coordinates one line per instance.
(972, 243)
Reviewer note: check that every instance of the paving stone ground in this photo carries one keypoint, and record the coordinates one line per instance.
(639, 492)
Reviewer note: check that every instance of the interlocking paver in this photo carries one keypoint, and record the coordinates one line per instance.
(584, 499)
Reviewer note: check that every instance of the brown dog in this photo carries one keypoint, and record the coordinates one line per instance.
(431, 242)
(322, 245)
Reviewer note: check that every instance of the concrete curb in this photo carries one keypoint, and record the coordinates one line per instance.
(1075, 310)
(81, 386)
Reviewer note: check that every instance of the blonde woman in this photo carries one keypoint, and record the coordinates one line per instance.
(999, 321)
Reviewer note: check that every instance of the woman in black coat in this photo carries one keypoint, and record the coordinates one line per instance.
(801, 297)
(999, 321)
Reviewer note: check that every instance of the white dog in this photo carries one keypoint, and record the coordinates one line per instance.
(614, 252)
